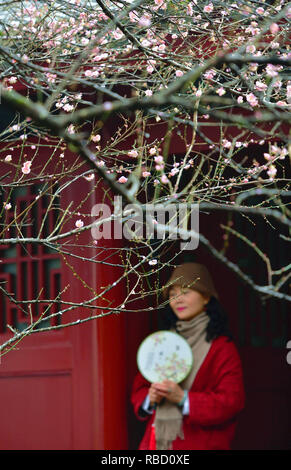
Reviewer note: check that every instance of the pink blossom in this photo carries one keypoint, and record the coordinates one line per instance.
(153, 262)
(145, 21)
(274, 28)
(71, 129)
(251, 49)
(26, 167)
(189, 9)
(164, 179)
(8, 158)
(68, 107)
(117, 34)
(260, 11)
(271, 70)
(148, 92)
(133, 153)
(209, 74)
(122, 179)
(96, 138)
(240, 99)
(150, 69)
(145, 174)
(267, 156)
(179, 73)
(7, 206)
(226, 143)
(159, 159)
(79, 223)
(153, 151)
(260, 86)
(89, 177)
(198, 93)
(220, 91)
(208, 8)
(252, 99)
(174, 171)
(272, 171)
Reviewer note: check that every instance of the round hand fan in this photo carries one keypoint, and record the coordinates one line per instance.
(164, 355)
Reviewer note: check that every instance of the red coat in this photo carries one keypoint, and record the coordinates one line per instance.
(216, 398)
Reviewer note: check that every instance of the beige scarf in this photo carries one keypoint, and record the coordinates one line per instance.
(169, 418)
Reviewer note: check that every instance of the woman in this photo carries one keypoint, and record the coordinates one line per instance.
(200, 412)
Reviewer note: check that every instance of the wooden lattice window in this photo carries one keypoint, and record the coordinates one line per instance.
(28, 271)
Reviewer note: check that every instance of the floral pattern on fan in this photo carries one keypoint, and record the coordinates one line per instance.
(172, 368)
(164, 355)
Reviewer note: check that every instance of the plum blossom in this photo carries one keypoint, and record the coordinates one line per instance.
(68, 107)
(145, 21)
(79, 223)
(153, 262)
(208, 8)
(96, 138)
(252, 99)
(164, 179)
(71, 129)
(220, 91)
(189, 9)
(122, 179)
(7, 206)
(89, 177)
(226, 143)
(133, 153)
(274, 28)
(26, 167)
(209, 74)
(272, 171)
(179, 73)
(240, 99)
(174, 171)
(159, 160)
(272, 70)
(260, 86)
(251, 48)
(260, 11)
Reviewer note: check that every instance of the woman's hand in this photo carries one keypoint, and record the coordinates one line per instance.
(169, 390)
(154, 395)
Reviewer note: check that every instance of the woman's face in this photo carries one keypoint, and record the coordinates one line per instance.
(186, 303)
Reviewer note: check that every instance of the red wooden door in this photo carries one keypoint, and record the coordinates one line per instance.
(63, 389)
(36, 377)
